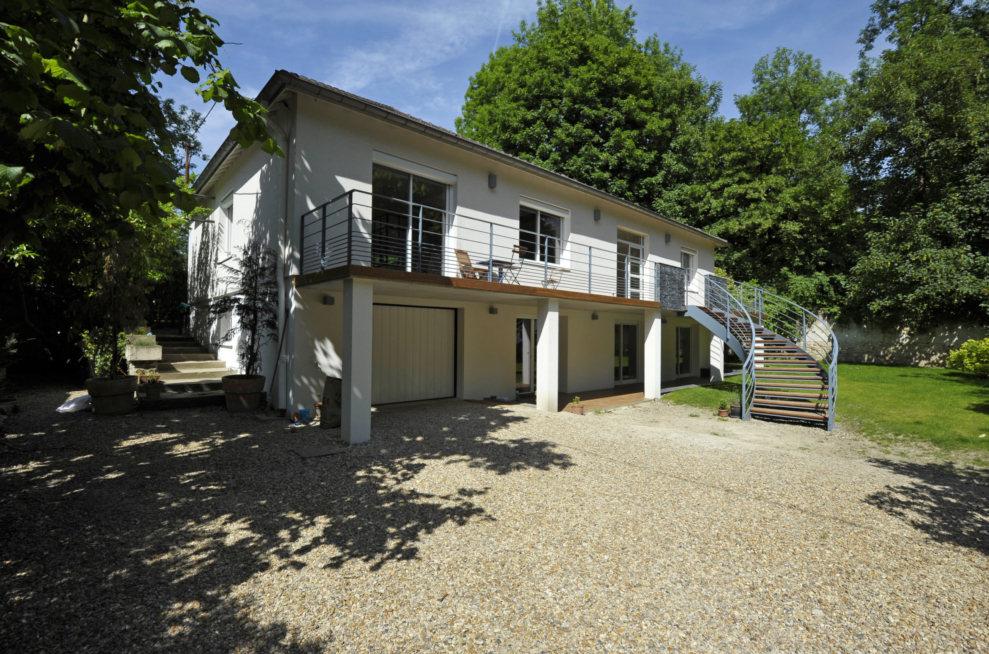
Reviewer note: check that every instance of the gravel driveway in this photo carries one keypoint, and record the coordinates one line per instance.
(468, 527)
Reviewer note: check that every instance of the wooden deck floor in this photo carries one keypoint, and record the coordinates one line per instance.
(622, 395)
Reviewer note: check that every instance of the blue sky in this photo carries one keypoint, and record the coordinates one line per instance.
(418, 55)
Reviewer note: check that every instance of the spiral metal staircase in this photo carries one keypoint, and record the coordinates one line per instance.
(788, 352)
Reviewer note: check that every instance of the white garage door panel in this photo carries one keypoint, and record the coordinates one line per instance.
(412, 355)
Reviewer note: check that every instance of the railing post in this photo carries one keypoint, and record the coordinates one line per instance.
(490, 249)
(803, 314)
(546, 263)
(419, 244)
(322, 241)
(350, 228)
(302, 244)
(590, 263)
(655, 285)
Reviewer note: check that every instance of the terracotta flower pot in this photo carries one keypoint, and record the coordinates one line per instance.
(243, 392)
(723, 413)
(578, 409)
(112, 396)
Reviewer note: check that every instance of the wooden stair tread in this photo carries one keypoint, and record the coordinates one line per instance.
(788, 393)
(770, 384)
(806, 405)
(790, 414)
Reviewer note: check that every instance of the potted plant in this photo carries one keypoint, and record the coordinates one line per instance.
(723, 408)
(115, 300)
(257, 322)
(577, 407)
(153, 385)
(736, 405)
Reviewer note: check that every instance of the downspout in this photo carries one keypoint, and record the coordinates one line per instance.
(281, 260)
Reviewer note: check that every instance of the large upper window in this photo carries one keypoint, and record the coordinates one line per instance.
(540, 233)
(407, 221)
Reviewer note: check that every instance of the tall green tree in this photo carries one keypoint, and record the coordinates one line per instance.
(82, 124)
(578, 94)
(919, 156)
(772, 182)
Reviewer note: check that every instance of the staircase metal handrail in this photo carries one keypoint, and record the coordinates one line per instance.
(718, 297)
(786, 318)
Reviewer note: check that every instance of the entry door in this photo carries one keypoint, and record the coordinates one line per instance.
(413, 354)
(408, 220)
(683, 352)
(525, 355)
(630, 247)
(626, 353)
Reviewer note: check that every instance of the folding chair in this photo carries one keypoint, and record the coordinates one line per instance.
(517, 251)
(467, 269)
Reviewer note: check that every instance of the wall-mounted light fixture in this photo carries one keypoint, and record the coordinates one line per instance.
(594, 316)
(597, 215)
(669, 237)
(329, 300)
(492, 180)
(493, 311)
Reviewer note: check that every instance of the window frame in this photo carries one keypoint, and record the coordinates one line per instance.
(557, 212)
(693, 257)
(225, 249)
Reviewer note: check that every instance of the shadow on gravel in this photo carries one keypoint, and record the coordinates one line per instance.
(947, 505)
(128, 533)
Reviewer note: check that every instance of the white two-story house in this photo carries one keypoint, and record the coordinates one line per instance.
(416, 264)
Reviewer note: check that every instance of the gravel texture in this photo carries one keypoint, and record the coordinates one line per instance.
(469, 527)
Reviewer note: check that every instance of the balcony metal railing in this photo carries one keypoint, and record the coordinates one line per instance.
(365, 229)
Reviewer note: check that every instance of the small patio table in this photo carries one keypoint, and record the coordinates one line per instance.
(502, 266)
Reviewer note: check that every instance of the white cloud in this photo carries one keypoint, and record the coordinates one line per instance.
(410, 42)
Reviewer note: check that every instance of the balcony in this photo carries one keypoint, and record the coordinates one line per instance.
(390, 234)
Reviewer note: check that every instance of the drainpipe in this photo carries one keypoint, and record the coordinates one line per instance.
(286, 138)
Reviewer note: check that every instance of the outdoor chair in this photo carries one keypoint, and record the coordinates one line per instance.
(467, 269)
(515, 267)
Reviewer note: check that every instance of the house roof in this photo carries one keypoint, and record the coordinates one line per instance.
(284, 80)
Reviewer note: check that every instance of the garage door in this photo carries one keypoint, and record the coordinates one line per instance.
(414, 354)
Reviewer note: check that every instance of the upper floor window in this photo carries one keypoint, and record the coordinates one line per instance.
(688, 259)
(540, 233)
(225, 227)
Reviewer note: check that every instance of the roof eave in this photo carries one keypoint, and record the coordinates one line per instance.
(283, 80)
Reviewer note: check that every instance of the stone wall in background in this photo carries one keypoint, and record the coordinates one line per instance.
(922, 348)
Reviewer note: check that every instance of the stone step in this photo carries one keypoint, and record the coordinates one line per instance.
(209, 374)
(175, 338)
(192, 386)
(188, 400)
(182, 349)
(190, 366)
(172, 357)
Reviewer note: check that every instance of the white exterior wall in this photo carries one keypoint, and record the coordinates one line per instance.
(333, 152)
(256, 198)
(336, 152)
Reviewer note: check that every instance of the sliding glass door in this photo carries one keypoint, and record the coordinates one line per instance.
(684, 363)
(525, 355)
(626, 353)
(408, 221)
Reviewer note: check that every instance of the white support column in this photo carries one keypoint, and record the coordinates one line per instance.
(548, 356)
(358, 303)
(717, 359)
(653, 353)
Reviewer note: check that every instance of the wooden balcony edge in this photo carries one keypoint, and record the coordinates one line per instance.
(367, 272)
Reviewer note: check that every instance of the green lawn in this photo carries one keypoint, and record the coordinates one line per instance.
(945, 408)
